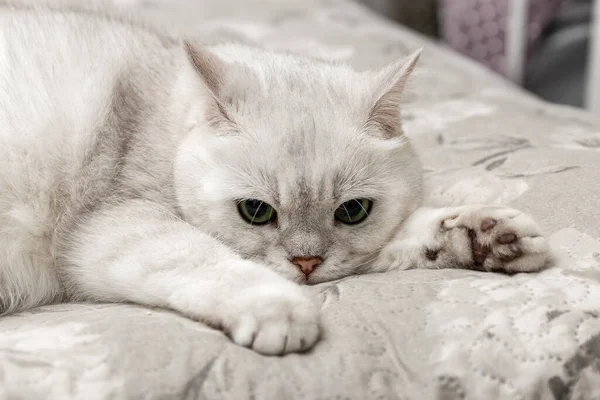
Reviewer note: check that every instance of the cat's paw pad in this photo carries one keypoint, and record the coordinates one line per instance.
(274, 320)
(502, 239)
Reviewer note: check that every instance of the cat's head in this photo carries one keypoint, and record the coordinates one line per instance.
(298, 164)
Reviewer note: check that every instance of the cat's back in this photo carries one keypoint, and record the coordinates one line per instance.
(59, 75)
(58, 70)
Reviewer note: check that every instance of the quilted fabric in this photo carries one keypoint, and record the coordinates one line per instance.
(447, 334)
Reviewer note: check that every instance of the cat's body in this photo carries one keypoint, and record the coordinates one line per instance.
(125, 157)
(68, 117)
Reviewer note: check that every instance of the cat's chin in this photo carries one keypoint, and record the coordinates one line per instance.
(315, 279)
(308, 280)
(312, 279)
(325, 275)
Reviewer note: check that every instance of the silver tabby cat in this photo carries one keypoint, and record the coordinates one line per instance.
(135, 167)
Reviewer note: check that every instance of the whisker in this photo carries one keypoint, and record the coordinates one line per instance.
(361, 206)
(256, 212)
(370, 260)
(347, 213)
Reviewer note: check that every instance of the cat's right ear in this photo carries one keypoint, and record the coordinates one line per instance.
(384, 115)
(211, 70)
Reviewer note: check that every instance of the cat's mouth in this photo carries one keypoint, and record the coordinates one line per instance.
(314, 280)
(303, 280)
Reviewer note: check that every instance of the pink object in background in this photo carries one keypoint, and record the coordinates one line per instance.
(477, 28)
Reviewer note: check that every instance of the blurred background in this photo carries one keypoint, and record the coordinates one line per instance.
(549, 47)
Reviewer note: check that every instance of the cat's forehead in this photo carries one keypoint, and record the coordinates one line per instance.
(290, 93)
(310, 177)
(301, 192)
(301, 127)
(298, 120)
(287, 83)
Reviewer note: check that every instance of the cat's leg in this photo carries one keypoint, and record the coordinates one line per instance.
(28, 275)
(139, 252)
(486, 238)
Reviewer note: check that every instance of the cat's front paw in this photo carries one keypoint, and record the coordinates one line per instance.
(274, 319)
(493, 238)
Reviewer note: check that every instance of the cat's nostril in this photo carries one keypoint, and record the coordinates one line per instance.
(307, 264)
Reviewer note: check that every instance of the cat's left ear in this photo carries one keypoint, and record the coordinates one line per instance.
(211, 71)
(385, 112)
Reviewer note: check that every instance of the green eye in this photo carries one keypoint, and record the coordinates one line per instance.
(354, 211)
(256, 212)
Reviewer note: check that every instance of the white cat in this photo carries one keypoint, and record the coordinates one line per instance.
(139, 168)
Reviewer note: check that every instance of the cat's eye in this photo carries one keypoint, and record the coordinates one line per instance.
(353, 211)
(256, 212)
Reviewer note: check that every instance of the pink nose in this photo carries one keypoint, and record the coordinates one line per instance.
(307, 264)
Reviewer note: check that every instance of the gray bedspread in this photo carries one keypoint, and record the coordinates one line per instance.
(447, 334)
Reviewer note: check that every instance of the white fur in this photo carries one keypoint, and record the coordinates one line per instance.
(123, 155)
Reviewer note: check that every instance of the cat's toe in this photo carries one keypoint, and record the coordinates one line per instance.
(244, 332)
(275, 321)
(479, 251)
(271, 338)
(509, 241)
(526, 254)
(283, 337)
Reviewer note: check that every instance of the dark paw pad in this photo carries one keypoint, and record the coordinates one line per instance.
(432, 254)
(488, 224)
(480, 251)
(507, 238)
(516, 253)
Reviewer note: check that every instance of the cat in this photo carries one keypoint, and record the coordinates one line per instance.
(214, 181)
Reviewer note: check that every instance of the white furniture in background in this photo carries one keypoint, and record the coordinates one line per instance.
(516, 40)
(592, 98)
(516, 50)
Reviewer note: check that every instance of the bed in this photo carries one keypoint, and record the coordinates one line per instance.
(418, 334)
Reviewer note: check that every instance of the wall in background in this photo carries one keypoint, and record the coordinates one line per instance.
(419, 15)
(545, 48)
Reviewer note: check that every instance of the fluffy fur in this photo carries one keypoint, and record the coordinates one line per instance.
(123, 154)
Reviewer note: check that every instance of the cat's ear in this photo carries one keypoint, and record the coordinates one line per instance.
(385, 112)
(211, 70)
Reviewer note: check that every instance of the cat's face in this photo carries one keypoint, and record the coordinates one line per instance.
(299, 165)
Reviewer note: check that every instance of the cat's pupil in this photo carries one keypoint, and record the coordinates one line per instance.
(256, 212)
(353, 211)
(353, 207)
(256, 208)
